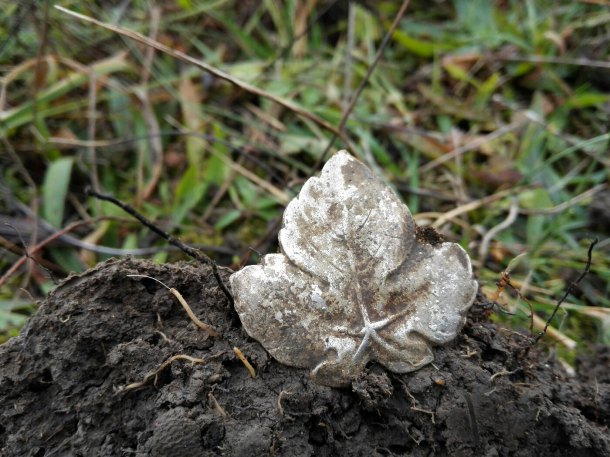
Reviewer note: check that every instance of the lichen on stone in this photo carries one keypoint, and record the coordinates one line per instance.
(352, 282)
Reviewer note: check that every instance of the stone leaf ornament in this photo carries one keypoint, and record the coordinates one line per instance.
(353, 283)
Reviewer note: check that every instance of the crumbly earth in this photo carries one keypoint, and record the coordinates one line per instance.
(62, 385)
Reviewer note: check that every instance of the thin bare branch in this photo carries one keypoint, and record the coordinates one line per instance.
(194, 253)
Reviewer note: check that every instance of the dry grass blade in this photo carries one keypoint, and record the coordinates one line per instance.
(581, 61)
(471, 206)
(567, 204)
(194, 253)
(473, 145)
(281, 196)
(41, 245)
(204, 66)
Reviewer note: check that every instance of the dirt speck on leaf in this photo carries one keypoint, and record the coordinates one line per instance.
(99, 331)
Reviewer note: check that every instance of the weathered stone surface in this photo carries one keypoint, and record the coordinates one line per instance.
(352, 283)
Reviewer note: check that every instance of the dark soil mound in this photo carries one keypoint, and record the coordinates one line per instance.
(61, 386)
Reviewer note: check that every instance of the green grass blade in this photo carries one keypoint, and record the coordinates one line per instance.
(55, 189)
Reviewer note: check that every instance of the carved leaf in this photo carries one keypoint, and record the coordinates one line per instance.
(352, 283)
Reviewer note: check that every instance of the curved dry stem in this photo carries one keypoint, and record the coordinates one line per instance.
(153, 374)
(202, 325)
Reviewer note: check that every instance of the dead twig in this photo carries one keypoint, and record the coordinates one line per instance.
(581, 61)
(156, 146)
(195, 254)
(552, 332)
(475, 204)
(568, 291)
(492, 232)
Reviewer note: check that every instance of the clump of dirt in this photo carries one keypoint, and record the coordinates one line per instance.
(62, 385)
(428, 235)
